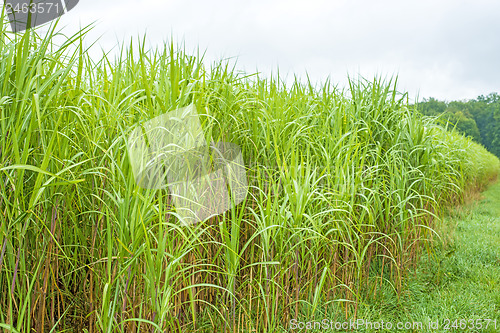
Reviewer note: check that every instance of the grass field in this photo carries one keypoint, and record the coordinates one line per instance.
(456, 287)
(345, 188)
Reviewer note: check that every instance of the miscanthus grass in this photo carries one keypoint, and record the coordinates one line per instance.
(345, 187)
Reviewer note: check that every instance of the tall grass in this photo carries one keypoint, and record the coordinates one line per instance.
(344, 189)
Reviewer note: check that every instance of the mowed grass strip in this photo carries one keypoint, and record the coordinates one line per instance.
(463, 281)
(457, 284)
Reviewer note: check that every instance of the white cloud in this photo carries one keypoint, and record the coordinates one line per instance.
(445, 49)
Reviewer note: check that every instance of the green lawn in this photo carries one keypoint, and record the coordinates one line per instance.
(460, 280)
(463, 282)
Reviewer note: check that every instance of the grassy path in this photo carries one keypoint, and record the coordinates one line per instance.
(465, 283)
(462, 281)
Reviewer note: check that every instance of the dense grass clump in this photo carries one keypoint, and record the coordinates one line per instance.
(344, 189)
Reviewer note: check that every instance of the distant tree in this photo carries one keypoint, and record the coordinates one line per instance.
(491, 131)
(432, 107)
(466, 125)
(477, 118)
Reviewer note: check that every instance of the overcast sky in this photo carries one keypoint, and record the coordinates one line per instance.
(443, 49)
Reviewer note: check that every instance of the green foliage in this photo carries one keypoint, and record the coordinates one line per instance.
(478, 118)
(459, 281)
(341, 182)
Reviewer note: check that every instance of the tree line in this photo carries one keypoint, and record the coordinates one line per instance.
(477, 118)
